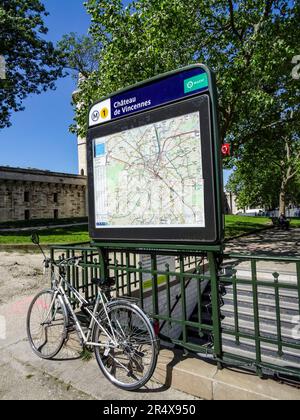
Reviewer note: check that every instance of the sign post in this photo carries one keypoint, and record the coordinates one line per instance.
(154, 164)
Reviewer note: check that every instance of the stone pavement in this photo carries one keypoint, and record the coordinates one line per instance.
(24, 376)
(271, 241)
(21, 381)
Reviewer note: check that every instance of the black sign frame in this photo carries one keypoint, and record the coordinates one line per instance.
(211, 234)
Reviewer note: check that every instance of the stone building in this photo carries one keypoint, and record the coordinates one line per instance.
(230, 203)
(34, 194)
(82, 156)
(81, 142)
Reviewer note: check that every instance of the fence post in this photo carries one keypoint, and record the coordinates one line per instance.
(215, 301)
(256, 318)
(104, 262)
(154, 283)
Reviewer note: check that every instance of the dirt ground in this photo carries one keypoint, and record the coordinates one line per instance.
(21, 274)
(23, 376)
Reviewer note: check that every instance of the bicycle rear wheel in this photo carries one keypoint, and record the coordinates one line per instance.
(130, 362)
(47, 324)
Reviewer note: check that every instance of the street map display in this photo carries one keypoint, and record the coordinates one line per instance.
(151, 176)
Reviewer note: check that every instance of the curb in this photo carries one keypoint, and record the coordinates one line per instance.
(31, 247)
(20, 247)
(203, 380)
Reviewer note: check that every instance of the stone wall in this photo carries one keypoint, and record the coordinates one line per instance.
(230, 203)
(40, 195)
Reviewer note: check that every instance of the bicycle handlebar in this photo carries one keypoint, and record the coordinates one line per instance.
(65, 261)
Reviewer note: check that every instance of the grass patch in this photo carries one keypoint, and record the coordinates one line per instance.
(65, 235)
(235, 226)
(148, 283)
(295, 222)
(239, 225)
(86, 355)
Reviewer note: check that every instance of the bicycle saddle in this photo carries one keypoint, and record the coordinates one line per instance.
(103, 282)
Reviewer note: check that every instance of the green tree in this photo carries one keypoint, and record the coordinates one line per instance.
(249, 43)
(32, 64)
(267, 172)
(268, 150)
(81, 54)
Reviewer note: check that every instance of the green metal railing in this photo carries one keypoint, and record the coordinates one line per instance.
(186, 291)
(282, 296)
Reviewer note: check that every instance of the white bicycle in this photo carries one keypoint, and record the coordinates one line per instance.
(121, 334)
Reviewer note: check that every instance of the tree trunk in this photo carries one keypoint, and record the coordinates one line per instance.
(282, 201)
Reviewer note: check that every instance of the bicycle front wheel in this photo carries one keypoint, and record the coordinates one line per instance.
(47, 324)
(127, 348)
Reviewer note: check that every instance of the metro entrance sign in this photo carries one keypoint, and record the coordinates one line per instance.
(154, 162)
(151, 95)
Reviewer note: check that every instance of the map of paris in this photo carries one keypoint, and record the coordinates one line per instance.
(151, 175)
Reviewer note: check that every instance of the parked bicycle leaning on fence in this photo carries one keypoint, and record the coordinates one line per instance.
(120, 333)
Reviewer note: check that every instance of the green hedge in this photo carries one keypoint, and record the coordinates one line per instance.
(42, 222)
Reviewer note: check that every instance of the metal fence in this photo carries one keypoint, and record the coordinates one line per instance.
(261, 312)
(235, 310)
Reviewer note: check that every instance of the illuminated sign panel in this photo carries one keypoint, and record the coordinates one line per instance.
(149, 96)
(151, 166)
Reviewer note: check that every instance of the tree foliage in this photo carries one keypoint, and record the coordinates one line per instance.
(262, 173)
(32, 64)
(249, 43)
(81, 53)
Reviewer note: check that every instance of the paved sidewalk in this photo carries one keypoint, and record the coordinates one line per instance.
(21, 381)
(24, 376)
(272, 241)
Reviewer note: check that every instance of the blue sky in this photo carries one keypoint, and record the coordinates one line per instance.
(39, 136)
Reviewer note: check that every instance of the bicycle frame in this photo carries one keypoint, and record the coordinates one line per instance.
(101, 301)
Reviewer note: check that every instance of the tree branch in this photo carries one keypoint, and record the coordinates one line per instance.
(277, 164)
(231, 11)
(268, 8)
